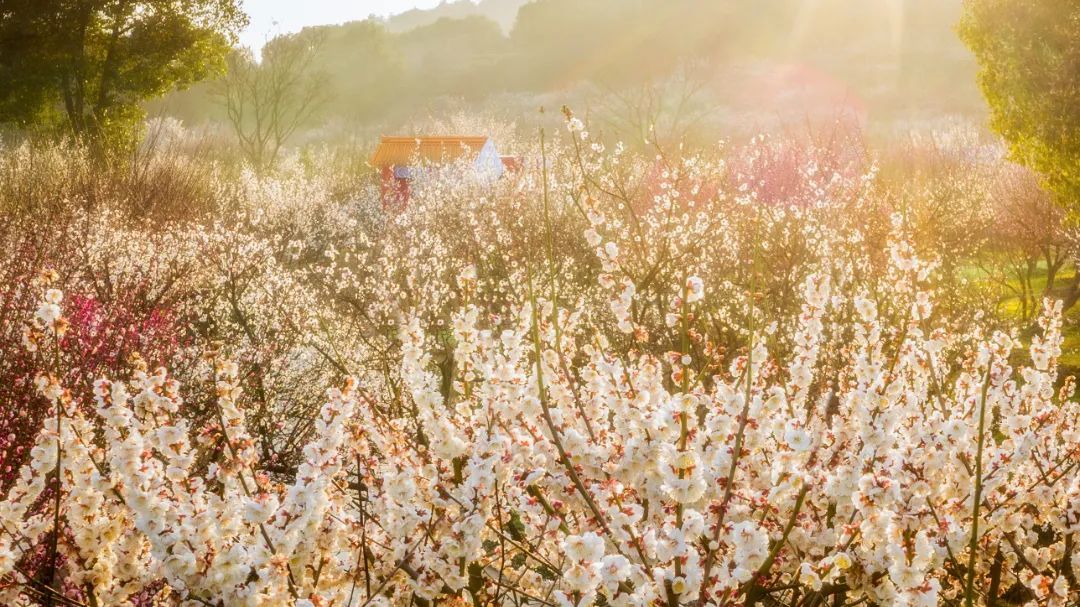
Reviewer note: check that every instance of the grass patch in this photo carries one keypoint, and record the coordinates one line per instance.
(1010, 307)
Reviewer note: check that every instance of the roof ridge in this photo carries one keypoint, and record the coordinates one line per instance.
(396, 148)
(429, 137)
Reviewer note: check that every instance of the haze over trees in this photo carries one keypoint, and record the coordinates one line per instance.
(758, 61)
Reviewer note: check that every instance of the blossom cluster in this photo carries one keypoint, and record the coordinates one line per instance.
(553, 468)
(615, 378)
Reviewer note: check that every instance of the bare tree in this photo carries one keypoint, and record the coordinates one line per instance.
(268, 101)
(658, 112)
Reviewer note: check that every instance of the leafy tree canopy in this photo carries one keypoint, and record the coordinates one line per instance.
(1029, 57)
(88, 64)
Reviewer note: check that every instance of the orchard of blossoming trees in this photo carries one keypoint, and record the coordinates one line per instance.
(774, 373)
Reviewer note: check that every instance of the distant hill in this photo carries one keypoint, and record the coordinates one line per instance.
(502, 12)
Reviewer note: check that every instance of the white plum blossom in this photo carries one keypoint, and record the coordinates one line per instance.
(497, 422)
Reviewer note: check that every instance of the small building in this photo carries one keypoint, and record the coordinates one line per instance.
(513, 164)
(401, 161)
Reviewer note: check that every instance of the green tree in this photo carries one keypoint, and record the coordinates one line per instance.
(1029, 57)
(89, 64)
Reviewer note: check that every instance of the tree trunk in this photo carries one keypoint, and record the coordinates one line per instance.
(995, 580)
(74, 79)
(1072, 295)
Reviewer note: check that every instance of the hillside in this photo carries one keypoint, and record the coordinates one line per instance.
(502, 12)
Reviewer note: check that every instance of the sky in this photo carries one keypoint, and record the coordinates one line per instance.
(272, 17)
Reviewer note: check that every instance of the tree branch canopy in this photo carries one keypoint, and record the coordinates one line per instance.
(267, 101)
(1029, 58)
(85, 66)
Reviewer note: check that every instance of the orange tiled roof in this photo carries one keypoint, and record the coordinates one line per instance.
(400, 151)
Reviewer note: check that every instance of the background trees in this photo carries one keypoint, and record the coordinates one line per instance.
(267, 101)
(1029, 56)
(765, 59)
(900, 61)
(88, 64)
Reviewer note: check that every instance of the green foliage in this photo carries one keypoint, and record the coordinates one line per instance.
(1029, 53)
(87, 65)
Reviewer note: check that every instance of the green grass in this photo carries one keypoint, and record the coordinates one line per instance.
(1009, 307)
